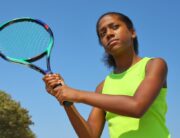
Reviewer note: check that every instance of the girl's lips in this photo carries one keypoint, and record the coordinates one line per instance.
(112, 42)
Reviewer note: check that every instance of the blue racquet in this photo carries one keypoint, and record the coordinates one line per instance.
(25, 40)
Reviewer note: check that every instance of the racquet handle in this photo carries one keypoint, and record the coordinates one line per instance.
(66, 103)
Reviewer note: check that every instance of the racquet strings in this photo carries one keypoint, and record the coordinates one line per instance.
(24, 40)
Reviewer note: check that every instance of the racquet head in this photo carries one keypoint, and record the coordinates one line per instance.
(25, 40)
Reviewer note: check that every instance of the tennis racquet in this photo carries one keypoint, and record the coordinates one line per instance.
(26, 40)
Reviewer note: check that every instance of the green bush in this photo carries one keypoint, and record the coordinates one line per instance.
(14, 120)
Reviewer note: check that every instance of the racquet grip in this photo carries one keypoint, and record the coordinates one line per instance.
(67, 104)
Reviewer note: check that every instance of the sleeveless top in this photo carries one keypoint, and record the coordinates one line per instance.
(153, 123)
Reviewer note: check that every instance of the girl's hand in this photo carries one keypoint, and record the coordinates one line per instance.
(65, 93)
(52, 81)
(56, 87)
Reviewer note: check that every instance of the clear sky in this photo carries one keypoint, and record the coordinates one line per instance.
(77, 55)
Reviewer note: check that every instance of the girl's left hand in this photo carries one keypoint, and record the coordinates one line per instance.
(61, 92)
(65, 93)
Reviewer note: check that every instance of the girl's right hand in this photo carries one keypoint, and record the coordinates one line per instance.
(52, 81)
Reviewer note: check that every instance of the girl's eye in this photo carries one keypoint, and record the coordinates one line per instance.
(115, 27)
(102, 34)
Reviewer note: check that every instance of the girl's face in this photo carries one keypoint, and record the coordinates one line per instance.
(114, 34)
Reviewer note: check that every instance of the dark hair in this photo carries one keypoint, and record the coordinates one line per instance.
(108, 59)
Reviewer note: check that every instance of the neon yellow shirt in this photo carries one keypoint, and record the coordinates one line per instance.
(153, 123)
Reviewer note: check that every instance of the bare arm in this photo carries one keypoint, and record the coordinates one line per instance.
(134, 106)
(79, 124)
(84, 129)
(91, 128)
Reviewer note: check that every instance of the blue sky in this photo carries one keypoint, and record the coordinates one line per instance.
(78, 56)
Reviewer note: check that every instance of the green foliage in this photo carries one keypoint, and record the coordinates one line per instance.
(14, 120)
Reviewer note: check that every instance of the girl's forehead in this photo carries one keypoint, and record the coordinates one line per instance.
(108, 19)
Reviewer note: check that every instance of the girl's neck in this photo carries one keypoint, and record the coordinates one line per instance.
(125, 61)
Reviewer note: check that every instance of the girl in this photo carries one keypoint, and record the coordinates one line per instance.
(132, 98)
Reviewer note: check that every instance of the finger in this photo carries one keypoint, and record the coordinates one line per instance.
(53, 78)
(59, 76)
(49, 90)
(50, 79)
(59, 97)
(52, 82)
(46, 76)
(58, 84)
(55, 85)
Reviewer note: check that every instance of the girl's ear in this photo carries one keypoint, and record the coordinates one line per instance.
(133, 33)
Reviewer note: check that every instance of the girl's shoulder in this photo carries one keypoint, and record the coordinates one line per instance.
(100, 87)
